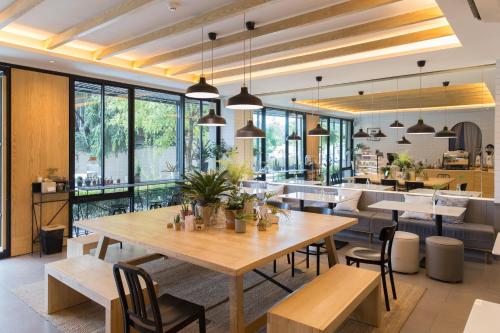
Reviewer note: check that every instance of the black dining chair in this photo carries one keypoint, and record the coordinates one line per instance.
(336, 179)
(166, 313)
(319, 245)
(291, 260)
(413, 185)
(381, 258)
(359, 180)
(463, 187)
(390, 182)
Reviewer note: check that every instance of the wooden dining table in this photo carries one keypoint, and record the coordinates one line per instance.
(221, 250)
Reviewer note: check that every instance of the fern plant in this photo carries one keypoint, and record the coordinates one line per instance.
(206, 188)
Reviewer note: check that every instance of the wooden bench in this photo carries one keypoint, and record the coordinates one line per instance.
(79, 279)
(323, 304)
(81, 245)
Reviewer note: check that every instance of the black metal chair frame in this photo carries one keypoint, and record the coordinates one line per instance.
(137, 316)
(358, 180)
(390, 182)
(387, 237)
(413, 185)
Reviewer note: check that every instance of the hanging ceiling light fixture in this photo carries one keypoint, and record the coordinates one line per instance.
(420, 127)
(360, 134)
(245, 100)
(403, 141)
(379, 134)
(396, 123)
(318, 130)
(202, 89)
(250, 131)
(445, 133)
(294, 136)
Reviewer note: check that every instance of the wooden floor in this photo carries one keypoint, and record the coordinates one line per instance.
(444, 307)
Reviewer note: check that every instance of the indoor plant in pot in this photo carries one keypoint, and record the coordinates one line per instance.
(233, 205)
(240, 221)
(206, 189)
(185, 209)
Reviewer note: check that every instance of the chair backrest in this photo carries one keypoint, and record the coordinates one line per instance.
(390, 182)
(443, 175)
(136, 315)
(463, 187)
(176, 199)
(280, 205)
(359, 180)
(318, 210)
(413, 185)
(336, 178)
(386, 237)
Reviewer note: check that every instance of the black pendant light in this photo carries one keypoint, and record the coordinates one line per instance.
(245, 100)
(212, 119)
(318, 130)
(420, 127)
(360, 134)
(294, 136)
(250, 131)
(445, 133)
(404, 141)
(397, 123)
(202, 89)
(380, 134)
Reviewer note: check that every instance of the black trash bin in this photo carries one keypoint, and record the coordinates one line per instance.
(51, 238)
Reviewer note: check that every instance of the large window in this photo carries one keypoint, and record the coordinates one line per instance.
(156, 135)
(276, 140)
(295, 147)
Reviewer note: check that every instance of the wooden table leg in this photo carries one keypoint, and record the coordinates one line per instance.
(102, 247)
(333, 259)
(59, 296)
(370, 310)
(236, 314)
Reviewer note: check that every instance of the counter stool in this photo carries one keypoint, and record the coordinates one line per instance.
(405, 252)
(153, 204)
(444, 258)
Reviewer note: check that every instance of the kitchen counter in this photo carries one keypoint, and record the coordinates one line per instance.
(476, 179)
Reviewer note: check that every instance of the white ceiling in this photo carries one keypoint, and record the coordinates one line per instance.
(479, 43)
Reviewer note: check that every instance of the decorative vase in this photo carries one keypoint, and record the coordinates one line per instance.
(185, 213)
(240, 226)
(189, 223)
(206, 213)
(230, 217)
(177, 226)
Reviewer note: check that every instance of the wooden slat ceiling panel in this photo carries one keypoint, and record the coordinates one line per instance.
(452, 96)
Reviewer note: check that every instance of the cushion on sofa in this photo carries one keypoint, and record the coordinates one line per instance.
(453, 202)
(418, 200)
(350, 200)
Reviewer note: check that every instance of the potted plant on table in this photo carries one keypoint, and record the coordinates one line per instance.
(240, 222)
(206, 189)
(185, 209)
(177, 222)
(234, 204)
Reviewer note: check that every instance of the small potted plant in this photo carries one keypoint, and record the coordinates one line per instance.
(177, 222)
(248, 202)
(240, 222)
(185, 209)
(233, 205)
(198, 223)
(262, 224)
(273, 216)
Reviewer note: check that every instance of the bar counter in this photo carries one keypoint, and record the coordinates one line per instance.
(477, 180)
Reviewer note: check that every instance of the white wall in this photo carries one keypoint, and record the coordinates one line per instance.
(425, 147)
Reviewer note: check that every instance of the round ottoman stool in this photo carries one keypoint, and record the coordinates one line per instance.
(405, 252)
(444, 258)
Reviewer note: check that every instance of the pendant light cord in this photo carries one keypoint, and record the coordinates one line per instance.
(397, 104)
(446, 106)
(202, 49)
(250, 62)
(212, 55)
(420, 95)
(244, 53)
(371, 105)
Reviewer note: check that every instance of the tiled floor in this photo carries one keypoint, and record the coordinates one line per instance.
(444, 307)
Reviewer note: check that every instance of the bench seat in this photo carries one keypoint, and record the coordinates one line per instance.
(76, 280)
(81, 245)
(323, 304)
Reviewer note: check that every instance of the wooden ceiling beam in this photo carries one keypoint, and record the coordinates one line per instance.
(348, 7)
(106, 17)
(393, 22)
(212, 16)
(343, 51)
(15, 10)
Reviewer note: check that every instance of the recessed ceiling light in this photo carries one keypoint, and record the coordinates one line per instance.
(52, 61)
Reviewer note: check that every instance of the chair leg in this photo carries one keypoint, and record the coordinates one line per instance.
(288, 258)
(293, 264)
(317, 260)
(357, 264)
(274, 266)
(307, 256)
(391, 277)
(202, 323)
(347, 262)
(384, 284)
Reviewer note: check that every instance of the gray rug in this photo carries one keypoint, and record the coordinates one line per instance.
(209, 289)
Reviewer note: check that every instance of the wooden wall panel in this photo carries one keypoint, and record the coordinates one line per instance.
(312, 144)
(40, 140)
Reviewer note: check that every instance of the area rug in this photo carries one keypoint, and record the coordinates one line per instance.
(209, 288)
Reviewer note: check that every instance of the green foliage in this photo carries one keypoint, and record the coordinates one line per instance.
(403, 161)
(205, 188)
(236, 170)
(235, 201)
(177, 219)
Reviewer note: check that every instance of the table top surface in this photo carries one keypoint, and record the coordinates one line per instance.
(483, 317)
(319, 197)
(299, 182)
(217, 249)
(364, 186)
(430, 182)
(418, 208)
(251, 190)
(447, 192)
(496, 247)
